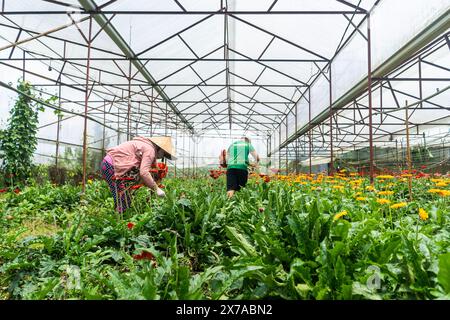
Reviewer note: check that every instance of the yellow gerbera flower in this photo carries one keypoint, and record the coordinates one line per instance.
(361, 198)
(370, 188)
(385, 177)
(383, 201)
(399, 205)
(441, 184)
(441, 192)
(386, 193)
(340, 215)
(423, 215)
(407, 175)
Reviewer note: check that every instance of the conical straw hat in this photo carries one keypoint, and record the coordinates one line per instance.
(165, 143)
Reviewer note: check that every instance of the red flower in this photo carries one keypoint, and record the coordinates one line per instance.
(261, 209)
(3, 190)
(130, 225)
(161, 186)
(135, 187)
(266, 179)
(423, 167)
(17, 190)
(145, 255)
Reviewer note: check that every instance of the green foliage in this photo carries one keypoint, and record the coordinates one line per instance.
(205, 246)
(18, 142)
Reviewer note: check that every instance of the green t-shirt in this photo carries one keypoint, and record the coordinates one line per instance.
(238, 155)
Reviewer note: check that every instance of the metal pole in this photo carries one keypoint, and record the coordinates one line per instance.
(104, 128)
(86, 98)
(297, 159)
(129, 104)
(184, 158)
(310, 131)
(331, 127)
(176, 143)
(118, 126)
(23, 62)
(287, 160)
(165, 120)
(151, 113)
(369, 87)
(57, 129)
(420, 82)
(408, 151)
(279, 150)
(189, 156)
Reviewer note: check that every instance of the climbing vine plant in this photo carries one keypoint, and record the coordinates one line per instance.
(18, 141)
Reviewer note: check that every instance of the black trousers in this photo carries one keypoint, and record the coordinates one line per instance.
(236, 179)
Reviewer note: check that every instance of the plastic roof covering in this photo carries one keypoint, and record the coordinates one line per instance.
(407, 18)
(249, 37)
(433, 124)
(256, 109)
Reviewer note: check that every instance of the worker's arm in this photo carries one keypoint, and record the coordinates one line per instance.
(148, 157)
(255, 156)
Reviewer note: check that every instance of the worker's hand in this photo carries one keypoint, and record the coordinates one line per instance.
(160, 192)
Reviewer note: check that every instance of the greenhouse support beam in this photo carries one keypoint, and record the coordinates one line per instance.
(369, 88)
(115, 36)
(435, 29)
(95, 12)
(169, 59)
(86, 102)
(58, 129)
(5, 85)
(331, 123)
(39, 35)
(310, 131)
(129, 103)
(408, 151)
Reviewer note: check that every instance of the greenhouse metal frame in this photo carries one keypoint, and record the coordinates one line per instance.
(122, 93)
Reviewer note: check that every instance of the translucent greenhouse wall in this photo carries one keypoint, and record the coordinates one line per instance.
(349, 67)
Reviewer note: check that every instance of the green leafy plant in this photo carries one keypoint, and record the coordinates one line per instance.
(18, 142)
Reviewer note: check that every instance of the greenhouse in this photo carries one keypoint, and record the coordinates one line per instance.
(225, 149)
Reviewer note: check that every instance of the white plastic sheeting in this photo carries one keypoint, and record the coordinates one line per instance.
(393, 24)
(255, 108)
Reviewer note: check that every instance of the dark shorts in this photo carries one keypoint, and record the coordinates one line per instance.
(236, 179)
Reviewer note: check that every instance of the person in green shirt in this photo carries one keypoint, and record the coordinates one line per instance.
(237, 164)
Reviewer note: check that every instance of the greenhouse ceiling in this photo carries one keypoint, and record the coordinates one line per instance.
(213, 63)
(198, 65)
